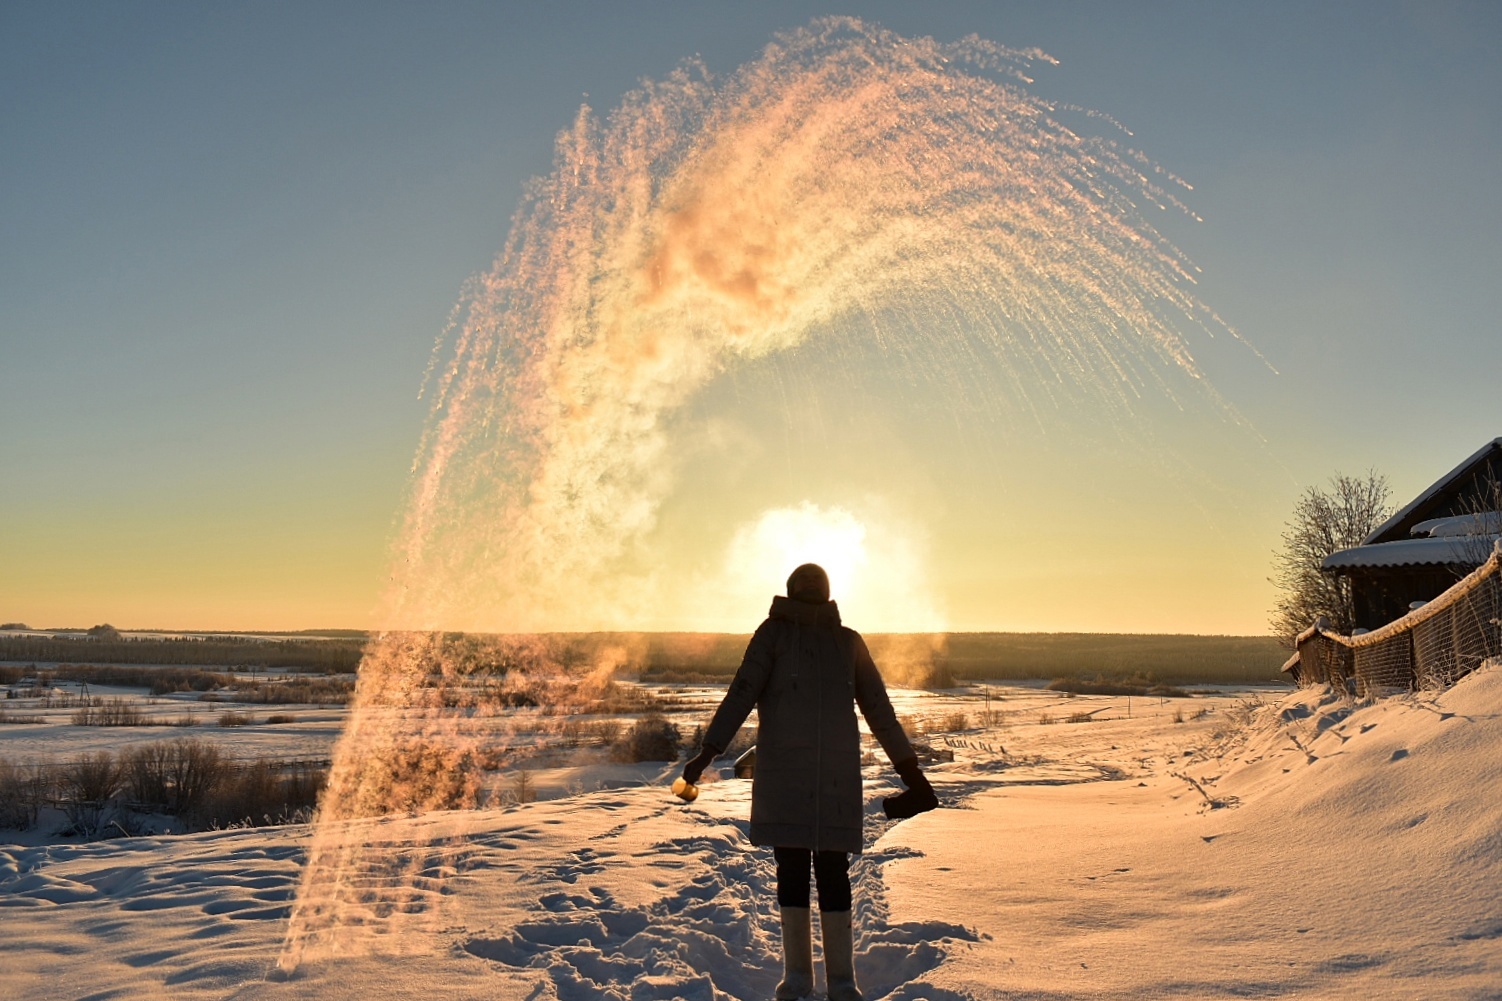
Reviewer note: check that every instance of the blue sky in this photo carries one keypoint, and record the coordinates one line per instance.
(231, 235)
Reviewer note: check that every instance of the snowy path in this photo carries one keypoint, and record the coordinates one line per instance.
(716, 915)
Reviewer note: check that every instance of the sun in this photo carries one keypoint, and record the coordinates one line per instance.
(768, 549)
(875, 564)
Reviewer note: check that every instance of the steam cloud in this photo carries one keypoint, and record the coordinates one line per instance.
(705, 222)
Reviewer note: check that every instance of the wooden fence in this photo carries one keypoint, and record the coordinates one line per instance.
(1429, 648)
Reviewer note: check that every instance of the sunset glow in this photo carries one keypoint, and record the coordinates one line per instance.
(876, 573)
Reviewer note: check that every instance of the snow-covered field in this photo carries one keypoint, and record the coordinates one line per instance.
(1310, 847)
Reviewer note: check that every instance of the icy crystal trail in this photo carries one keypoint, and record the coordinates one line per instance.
(847, 174)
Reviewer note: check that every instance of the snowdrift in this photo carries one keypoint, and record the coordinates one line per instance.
(1310, 847)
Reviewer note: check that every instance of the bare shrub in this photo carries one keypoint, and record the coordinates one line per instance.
(145, 770)
(1241, 714)
(303, 691)
(1045, 719)
(1137, 684)
(192, 780)
(177, 777)
(9, 717)
(86, 785)
(604, 732)
(583, 733)
(233, 718)
(194, 769)
(651, 738)
(165, 681)
(257, 793)
(245, 795)
(22, 789)
(616, 698)
(93, 776)
(276, 719)
(111, 712)
(523, 789)
(571, 733)
(302, 784)
(1178, 715)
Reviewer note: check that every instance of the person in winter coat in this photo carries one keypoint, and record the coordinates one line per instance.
(805, 674)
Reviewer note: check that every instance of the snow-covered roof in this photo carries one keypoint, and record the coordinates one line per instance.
(1290, 663)
(1481, 523)
(1468, 550)
(1428, 495)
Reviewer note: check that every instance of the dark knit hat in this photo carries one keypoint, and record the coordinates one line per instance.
(812, 574)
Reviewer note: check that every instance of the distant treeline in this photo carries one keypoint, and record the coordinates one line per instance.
(904, 658)
(1172, 659)
(327, 656)
(1166, 658)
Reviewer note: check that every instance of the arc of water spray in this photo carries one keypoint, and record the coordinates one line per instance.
(704, 222)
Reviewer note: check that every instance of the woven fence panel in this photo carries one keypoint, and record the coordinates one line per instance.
(1385, 664)
(1456, 638)
(1324, 661)
(1335, 659)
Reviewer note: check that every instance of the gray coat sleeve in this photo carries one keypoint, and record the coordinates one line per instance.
(745, 689)
(871, 696)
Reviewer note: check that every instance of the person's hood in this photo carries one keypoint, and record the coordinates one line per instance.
(824, 613)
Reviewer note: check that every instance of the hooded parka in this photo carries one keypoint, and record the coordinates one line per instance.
(805, 674)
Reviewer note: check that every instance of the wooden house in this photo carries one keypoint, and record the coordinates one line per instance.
(1440, 536)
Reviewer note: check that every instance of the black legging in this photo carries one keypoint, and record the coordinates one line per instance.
(831, 870)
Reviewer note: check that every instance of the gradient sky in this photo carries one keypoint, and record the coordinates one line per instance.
(228, 239)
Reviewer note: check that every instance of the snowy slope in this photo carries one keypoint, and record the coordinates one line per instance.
(1358, 855)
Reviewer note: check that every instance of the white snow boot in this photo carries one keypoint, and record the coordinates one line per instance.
(797, 955)
(839, 955)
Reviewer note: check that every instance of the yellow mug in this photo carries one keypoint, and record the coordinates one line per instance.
(684, 790)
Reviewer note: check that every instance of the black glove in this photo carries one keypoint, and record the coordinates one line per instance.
(919, 797)
(698, 763)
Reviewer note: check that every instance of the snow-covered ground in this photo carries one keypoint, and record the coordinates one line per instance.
(1309, 847)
